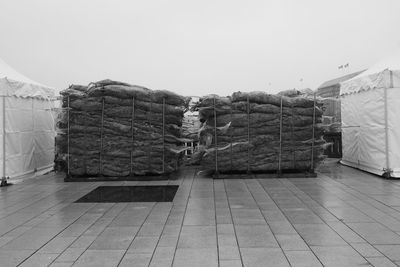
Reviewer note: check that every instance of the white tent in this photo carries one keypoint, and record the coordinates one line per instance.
(371, 119)
(26, 124)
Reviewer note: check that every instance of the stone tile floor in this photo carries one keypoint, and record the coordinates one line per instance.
(344, 217)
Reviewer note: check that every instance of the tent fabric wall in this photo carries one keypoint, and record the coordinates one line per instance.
(363, 131)
(370, 106)
(394, 128)
(27, 108)
(29, 135)
(2, 118)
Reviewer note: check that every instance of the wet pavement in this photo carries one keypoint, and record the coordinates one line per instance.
(344, 217)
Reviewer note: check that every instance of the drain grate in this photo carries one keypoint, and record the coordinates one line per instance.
(165, 193)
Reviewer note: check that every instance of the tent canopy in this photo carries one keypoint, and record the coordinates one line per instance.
(370, 106)
(375, 77)
(13, 83)
(27, 128)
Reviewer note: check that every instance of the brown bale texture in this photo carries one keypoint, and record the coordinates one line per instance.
(257, 131)
(116, 129)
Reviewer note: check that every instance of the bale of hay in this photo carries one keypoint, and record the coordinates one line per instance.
(111, 128)
(260, 132)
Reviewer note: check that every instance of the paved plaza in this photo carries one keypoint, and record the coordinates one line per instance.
(344, 217)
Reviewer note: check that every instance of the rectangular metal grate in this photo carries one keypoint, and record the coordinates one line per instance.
(102, 194)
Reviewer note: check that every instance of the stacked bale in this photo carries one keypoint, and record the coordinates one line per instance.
(115, 129)
(260, 132)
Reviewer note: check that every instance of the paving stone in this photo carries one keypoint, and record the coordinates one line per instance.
(375, 233)
(349, 214)
(247, 216)
(39, 260)
(225, 229)
(136, 260)
(227, 240)
(255, 236)
(70, 255)
(164, 253)
(199, 218)
(114, 238)
(168, 241)
(150, 229)
(319, 235)
(345, 232)
(390, 251)
(338, 256)
(197, 237)
(301, 216)
(255, 257)
(366, 250)
(228, 252)
(230, 263)
(33, 238)
(14, 257)
(83, 241)
(281, 227)
(143, 244)
(100, 258)
(57, 245)
(381, 262)
(163, 256)
(302, 259)
(291, 242)
(61, 264)
(196, 257)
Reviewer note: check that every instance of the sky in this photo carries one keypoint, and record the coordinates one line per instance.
(196, 48)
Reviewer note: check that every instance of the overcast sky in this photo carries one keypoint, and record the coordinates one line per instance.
(196, 47)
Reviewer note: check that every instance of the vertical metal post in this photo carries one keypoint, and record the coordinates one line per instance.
(292, 138)
(33, 132)
(101, 137)
(149, 148)
(68, 130)
(215, 138)
(280, 138)
(248, 134)
(231, 145)
(313, 137)
(132, 130)
(163, 136)
(85, 141)
(4, 137)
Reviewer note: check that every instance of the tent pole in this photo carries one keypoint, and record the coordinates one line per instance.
(4, 177)
(387, 171)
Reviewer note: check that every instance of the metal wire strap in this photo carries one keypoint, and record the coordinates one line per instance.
(248, 134)
(101, 137)
(150, 132)
(313, 137)
(132, 131)
(68, 163)
(280, 138)
(231, 145)
(215, 137)
(292, 139)
(84, 140)
(163, 136)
